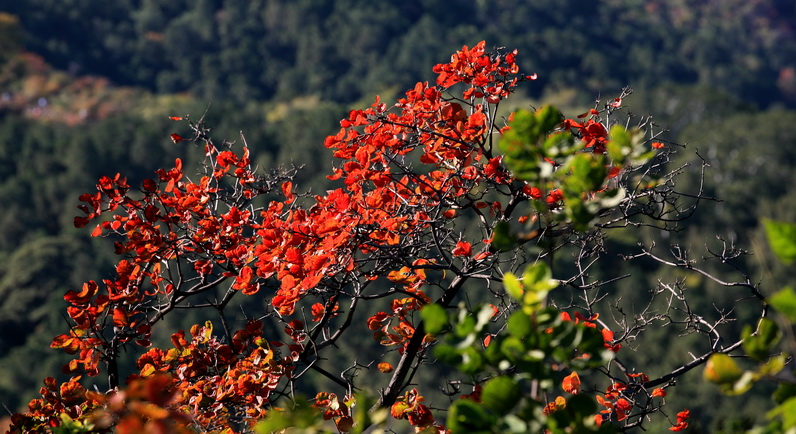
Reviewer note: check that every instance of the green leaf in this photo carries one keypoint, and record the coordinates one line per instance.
(740, 386)
(722, 369)
(582, 214)
(582, 173)
(784, 392)
(532, 301)
(513, 286)
(773, 366)
(464, 326)
(435, 318)
(786, 410)
(782, 238)
(759, 346)
(465, 416)
(559, 144)
(519, 325)
(784, 302)
(522, 143)
(472, 362)
(620, 145)
(501, 394)
(547, 118)
(513, 349)
(502, 238)
(447, 354)
(522, 131)
(539, 278)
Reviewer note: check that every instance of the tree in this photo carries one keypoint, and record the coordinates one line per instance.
(449, 226)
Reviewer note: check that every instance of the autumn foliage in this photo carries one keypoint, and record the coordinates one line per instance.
(437, 194)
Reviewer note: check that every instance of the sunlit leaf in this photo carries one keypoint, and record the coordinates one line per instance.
(782, 239)
(784, 302)
(501, 394)
(722, 369)
(435, 318)
(760, 345)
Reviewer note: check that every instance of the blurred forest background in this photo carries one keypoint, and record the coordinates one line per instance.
(86, 87)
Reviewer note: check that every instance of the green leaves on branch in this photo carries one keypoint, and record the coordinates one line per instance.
(524, 144)
(760, 345)
(534, 347)
(537, 281)
(721, 369)
(540, 149)
(626, 147)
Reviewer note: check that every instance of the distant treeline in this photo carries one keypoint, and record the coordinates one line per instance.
(343, 50)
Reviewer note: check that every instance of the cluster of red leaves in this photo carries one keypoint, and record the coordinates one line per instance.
(592, 133)
(220, 382)
(168, 219)
(146, 405)
(395, 327)
(570, 384)
(69, 398)
(608, 335)
(333, 409)
(617, 406)
(218, 385)
(490, 77)
(409, 407)
(682, 421)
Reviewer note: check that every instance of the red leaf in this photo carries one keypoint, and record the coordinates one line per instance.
(120, 317)
(571, 383)
(463, 248)
(81, 222)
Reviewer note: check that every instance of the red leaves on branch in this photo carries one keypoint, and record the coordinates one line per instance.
(406, 172)
(682, 421)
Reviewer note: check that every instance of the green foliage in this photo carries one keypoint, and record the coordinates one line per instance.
(763, 343)
(435, 318)
(70, 426)
(782, 238)
(534, 341)
(759, 344)
(301, 416)
(784, 301)
(522, 143)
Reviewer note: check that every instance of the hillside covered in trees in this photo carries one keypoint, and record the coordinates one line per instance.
(87, 87)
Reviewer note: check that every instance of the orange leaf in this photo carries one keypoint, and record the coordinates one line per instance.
(120, 317)
(571, 383)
